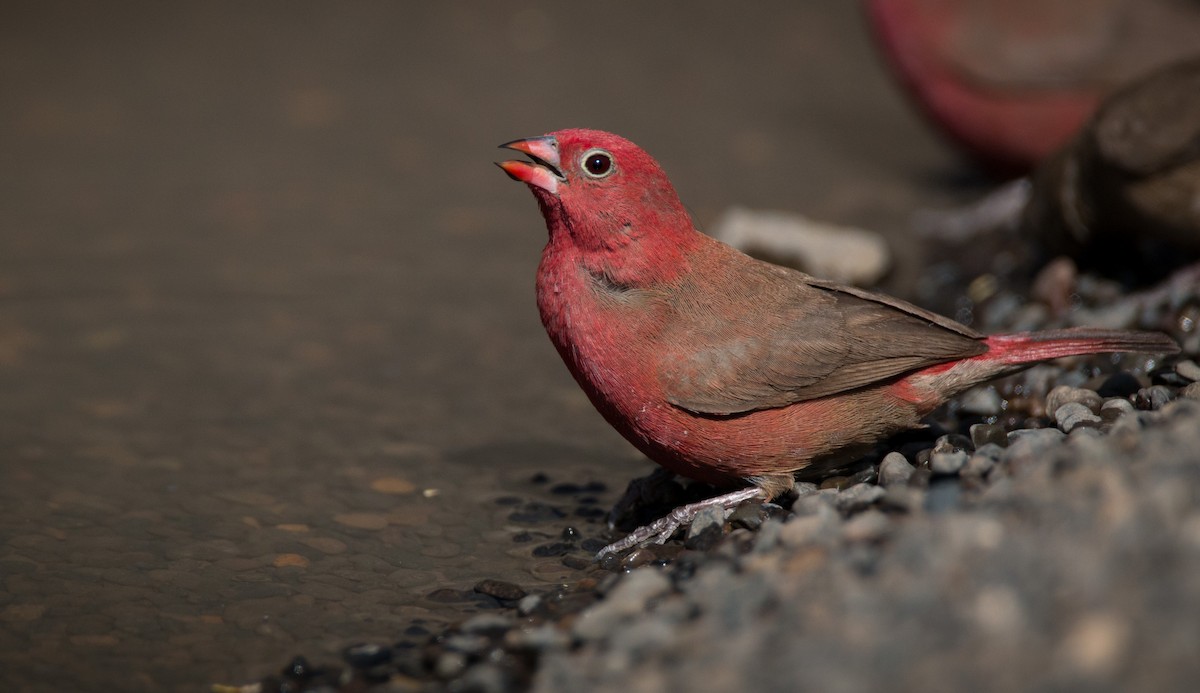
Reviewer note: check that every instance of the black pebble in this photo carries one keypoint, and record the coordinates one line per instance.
(576, 562)
(557, 548)
(592, 545)
(1119, 384)
(536, 513)
(565, 489)
(366, 655)
(539, 478)
(500, 589)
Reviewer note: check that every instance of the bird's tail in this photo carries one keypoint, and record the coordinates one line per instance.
(1029, 347)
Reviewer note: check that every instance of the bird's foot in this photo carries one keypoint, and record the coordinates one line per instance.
(661, 529)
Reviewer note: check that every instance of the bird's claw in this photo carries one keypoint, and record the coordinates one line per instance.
(661, 529)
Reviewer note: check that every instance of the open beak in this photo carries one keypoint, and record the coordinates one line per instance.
(544, 171)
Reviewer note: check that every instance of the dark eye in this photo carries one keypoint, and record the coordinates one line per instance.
(597, 163)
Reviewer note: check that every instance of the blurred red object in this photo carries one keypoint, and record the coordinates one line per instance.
(1011, 81)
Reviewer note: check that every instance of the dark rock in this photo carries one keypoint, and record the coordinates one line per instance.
(748, 515)
(504, 591)
(577, 562)
(1153, 397)
(982, 434)
(943, 495)
(565, 489)
(535, 513)
(706, 529)
(1169, 376)
(366, 655)
(556, 548)
(1120, 384)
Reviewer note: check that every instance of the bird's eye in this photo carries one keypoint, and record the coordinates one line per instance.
(598, 163)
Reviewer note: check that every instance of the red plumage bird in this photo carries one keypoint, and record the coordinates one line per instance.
(724, 368)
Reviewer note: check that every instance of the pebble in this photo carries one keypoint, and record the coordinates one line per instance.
(1189, 369)
(868, 526)
(749, 515)
(895, 470)
(943, 495)
(857, 497)
(1115, 407)
(1191, 391)
(804, 488)
(1072, 415)
(802, 531)
(529, 604)
(908, 499)
(979, 464)
(1033, 440)
(627, 601)
(982, 434)
(981, 401)
(1120, 384)
(706, 529)
(1064, 393)
(366, 655)
(504, 591)
(1153, 397)
(552, 549)
(947, 462)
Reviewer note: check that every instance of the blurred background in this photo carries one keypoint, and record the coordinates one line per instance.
(270, 364)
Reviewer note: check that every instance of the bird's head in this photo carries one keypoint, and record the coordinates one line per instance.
(602, 194)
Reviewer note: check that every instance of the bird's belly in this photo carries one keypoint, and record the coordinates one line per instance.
(799, 437)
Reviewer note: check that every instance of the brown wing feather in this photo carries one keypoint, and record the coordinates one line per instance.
(805, 339)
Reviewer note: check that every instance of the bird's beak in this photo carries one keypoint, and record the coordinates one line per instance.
(544, 171)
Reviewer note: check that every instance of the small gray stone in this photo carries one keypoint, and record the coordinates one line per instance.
(484, 678)
(1188, 369)
(978, 466)
(981, 401)
(895, 470)
(626, 601)
(529, 604)
(1114, 407)
(1072, 415)
(946, 463)
(1064, 393)
(487, 624)
(450, 664)
(801, 531)
(982, 434)
(869, 526)
(804, 488)
(857, 497)
(904, 498)
(706, 529)
(768, 536)
(1191, 391)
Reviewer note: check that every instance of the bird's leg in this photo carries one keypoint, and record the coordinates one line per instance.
(661, 529)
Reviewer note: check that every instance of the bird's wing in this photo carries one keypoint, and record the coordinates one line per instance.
(788, 337)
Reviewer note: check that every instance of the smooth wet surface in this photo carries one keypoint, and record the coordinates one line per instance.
(270, 368)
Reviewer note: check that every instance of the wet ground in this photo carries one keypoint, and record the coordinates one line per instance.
(270, 368)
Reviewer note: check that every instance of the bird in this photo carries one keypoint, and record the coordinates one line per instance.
(727, 369)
